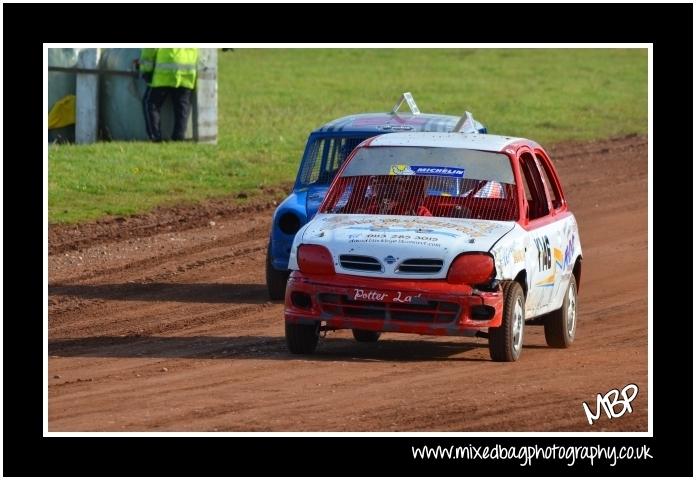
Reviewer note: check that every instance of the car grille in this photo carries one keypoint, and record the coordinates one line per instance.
(428, 312)
(420, 265)
(360, 262)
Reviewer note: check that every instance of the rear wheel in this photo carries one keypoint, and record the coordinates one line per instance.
(301, 339)
(276, 280)
(505, 342)
(367, 336)
(559, 326)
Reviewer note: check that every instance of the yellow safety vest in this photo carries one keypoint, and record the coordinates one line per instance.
(170, 67)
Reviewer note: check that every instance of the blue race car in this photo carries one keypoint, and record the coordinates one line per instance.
(327, 147)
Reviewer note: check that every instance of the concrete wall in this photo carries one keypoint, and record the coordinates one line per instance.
(109, 101)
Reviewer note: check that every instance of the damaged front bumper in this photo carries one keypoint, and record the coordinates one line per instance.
(426, 307)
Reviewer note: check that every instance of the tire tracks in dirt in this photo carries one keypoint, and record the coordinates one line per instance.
(173, 331)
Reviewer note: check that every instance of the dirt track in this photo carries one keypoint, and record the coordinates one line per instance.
(173, 331)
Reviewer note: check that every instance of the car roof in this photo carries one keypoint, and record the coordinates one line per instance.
(378, 123)
(470, 141)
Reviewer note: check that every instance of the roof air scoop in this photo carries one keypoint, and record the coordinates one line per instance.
(466, 124)
(409, 100)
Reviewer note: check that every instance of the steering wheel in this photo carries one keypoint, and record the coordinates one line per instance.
(424, 211)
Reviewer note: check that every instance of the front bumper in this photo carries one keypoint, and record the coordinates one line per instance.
(427, 307)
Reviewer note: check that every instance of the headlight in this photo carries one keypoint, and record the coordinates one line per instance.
(471, 269)
(315, 259)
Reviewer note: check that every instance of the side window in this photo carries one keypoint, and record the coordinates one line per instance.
(527, 193)
(534, 188)
(552, 186)
(312, 163)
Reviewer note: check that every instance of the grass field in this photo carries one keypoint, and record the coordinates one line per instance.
(270, 99)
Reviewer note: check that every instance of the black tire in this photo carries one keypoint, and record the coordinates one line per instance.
(560, 326)
(276, 280)
(504, 342)
(367, 336)
(301, 339)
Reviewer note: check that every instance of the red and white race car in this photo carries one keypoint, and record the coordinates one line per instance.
(438, 234)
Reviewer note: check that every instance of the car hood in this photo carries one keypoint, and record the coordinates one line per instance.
(392, 239)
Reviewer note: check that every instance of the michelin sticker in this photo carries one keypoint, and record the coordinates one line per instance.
(454, 172)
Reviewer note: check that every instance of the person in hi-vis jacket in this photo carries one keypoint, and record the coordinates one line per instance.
(168, 72)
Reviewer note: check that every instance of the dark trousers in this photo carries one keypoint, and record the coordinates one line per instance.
(152, 103)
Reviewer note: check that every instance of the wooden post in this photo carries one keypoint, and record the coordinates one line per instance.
(205, 102)
(87, 97)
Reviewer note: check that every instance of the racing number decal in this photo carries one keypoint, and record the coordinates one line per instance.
(544, 252)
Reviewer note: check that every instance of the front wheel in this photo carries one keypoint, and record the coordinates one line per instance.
(301, 339)
(505, 341)
(276, 280)
(559, 326)
(367, 336)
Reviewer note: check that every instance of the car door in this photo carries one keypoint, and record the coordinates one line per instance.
(543, 239)
(563, 227)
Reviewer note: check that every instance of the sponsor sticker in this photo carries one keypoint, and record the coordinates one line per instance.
(398, 297)
(429, 170)
(400, 170)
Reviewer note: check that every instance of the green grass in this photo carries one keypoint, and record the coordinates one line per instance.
(270, 99)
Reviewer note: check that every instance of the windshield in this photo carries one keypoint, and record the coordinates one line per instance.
(323, 157)
(438, 182)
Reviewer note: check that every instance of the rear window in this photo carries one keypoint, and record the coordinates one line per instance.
(420, 181)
